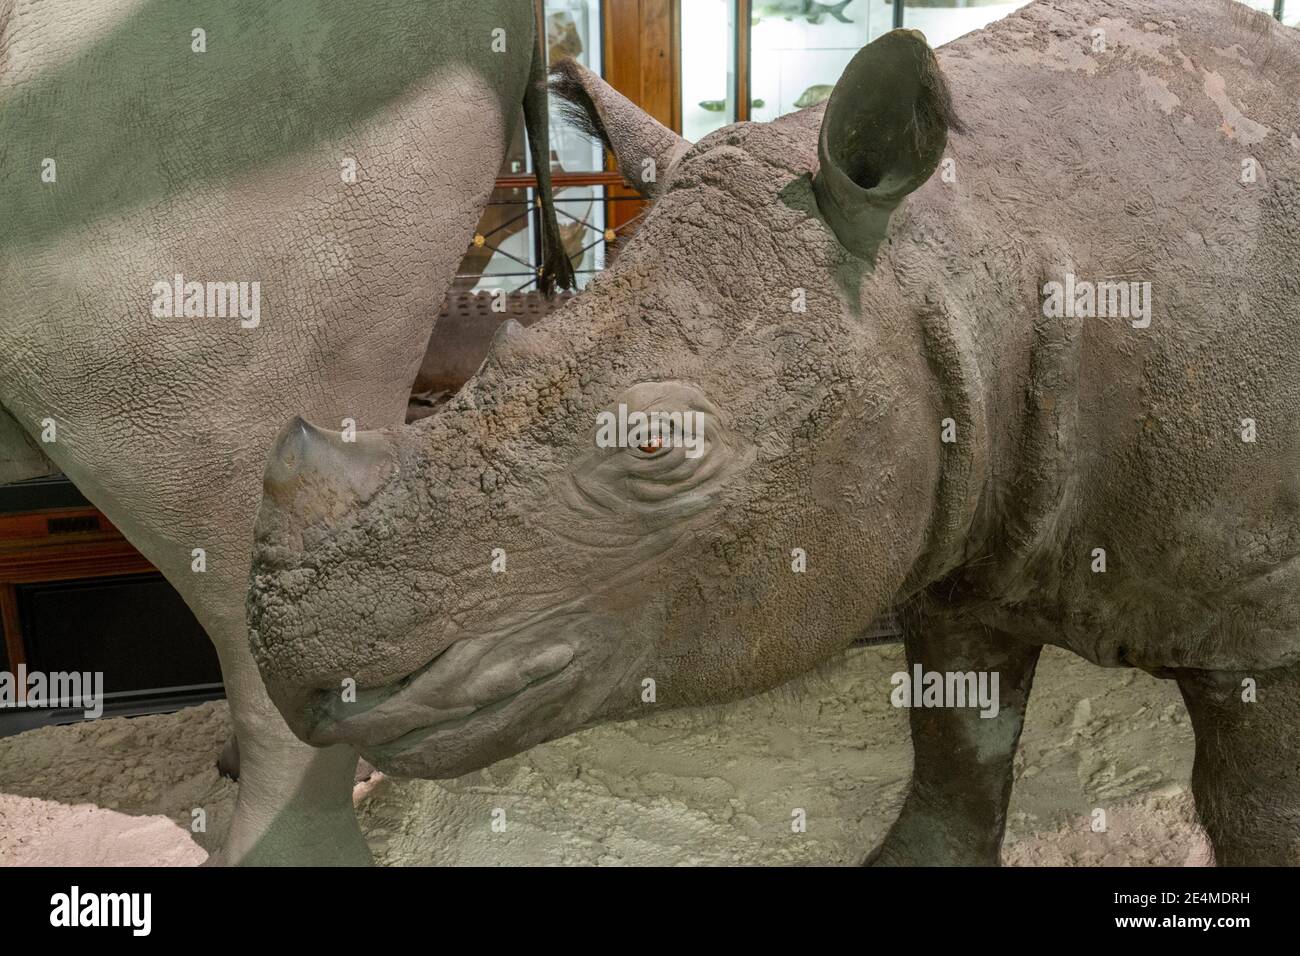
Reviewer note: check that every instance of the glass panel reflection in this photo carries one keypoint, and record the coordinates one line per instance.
(945, 20)
(708, 60)
(573, 29)
(504, 253)
(800, 48)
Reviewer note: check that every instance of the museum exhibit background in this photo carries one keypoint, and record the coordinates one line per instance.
(649, 431)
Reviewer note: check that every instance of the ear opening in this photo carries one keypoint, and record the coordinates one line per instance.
(883, 133)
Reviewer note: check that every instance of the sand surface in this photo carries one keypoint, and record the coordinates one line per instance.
(717, 786)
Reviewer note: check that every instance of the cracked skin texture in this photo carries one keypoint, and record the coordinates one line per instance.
(225, 166)
(825, 435)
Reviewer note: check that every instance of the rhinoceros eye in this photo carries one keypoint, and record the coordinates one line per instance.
(660, 439)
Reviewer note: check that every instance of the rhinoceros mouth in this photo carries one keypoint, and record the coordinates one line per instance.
(507, 708)
(471, 680)
(330, 730)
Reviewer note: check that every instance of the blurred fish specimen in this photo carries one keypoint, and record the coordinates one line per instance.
(808, 9)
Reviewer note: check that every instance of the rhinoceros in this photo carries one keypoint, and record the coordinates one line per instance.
(1002, 336)
(313, 171)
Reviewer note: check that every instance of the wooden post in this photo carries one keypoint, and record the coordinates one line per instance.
(643, 62)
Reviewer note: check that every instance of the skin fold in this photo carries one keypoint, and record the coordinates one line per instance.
(490, 577)
(228, 165)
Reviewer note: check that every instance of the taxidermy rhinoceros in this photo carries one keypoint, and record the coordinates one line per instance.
(312, 171)
(1034, 382)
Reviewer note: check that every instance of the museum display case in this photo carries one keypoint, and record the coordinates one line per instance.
(786, 56)
(505, 251)
(790, 54)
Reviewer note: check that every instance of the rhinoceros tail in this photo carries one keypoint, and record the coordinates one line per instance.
(556, 270)
(576, 105)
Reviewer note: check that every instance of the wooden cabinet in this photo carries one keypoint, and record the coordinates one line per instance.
(76, 596)
(56, 544)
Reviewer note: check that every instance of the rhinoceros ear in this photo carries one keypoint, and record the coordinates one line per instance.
(644, 148)
(884, 132)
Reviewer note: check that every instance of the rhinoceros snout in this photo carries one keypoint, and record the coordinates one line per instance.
(316, 475)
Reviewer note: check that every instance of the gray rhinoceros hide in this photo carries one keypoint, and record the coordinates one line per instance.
(1004, 337)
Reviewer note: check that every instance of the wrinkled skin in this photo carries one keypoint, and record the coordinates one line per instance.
(226, 166)
(374, 560)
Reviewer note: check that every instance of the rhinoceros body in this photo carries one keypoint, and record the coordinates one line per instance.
(1035, 382)
(323, 161)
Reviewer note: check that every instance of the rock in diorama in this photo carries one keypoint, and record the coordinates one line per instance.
(216, 216)
(1019, 358)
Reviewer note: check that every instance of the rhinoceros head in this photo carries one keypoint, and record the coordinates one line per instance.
(706, 474)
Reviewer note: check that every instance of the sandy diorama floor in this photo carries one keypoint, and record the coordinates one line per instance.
(717, 786)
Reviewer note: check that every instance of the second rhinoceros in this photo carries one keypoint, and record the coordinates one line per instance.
(1034, 382)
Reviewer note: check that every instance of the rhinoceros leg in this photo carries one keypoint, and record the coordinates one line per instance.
(1246, 775)
(228, 763)
(955, 811)
(294, 802)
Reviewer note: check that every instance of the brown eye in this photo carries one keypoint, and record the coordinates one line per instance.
(652, 446)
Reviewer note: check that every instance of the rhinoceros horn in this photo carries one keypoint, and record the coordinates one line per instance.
(645, 148)
(884, 132)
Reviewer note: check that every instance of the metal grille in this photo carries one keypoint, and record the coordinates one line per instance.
(593, 236)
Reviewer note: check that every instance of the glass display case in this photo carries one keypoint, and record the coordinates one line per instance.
(574, 29)
(505, 251)
(945, 20)
(789, 53)
(800, 49)
(708, 65)
(725, 61)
